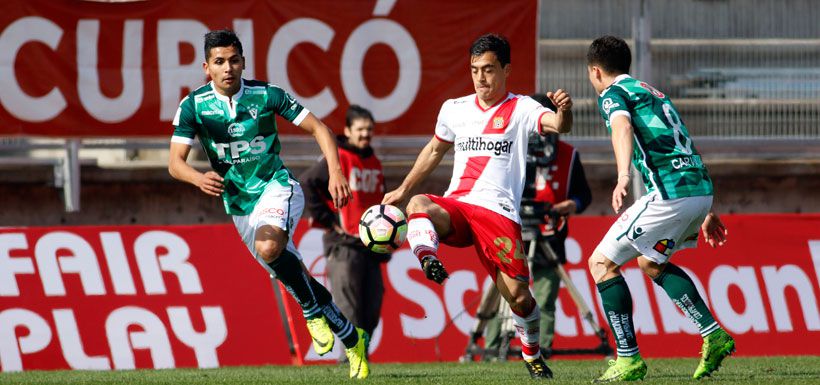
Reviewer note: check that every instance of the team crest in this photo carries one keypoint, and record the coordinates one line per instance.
(253, 112)
(498, 122)
(664, 246)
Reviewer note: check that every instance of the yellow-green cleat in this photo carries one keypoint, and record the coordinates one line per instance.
(321, 335)
(631, 368)
(716, 347)
(357, 357)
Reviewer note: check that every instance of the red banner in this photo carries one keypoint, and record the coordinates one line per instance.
(84, 68)
(134, 297)
(762, 286)
(191, 296)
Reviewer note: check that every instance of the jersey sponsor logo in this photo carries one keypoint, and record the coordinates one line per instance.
(210, 112)
(664, 246)
(686, 162)
(204, 98)
(237, 148)
(653, 90)
(291, 101)
(479, 143)
(236, 130)
(272, 212)
(364, 180)
(608, 105)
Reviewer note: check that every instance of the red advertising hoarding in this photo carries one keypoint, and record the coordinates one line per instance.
(85, 68)
(762, 287)
(191, 296)
(134, 297)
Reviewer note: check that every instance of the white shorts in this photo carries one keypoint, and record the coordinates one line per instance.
(279, 206)
(655, 228)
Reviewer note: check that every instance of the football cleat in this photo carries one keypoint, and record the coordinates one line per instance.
(538, 368)
(321, 335)
(716, 347)
(357, 356)
(433, 269)
(624, 369)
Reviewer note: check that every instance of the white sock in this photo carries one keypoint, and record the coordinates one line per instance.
(422, 236)
(528, 330)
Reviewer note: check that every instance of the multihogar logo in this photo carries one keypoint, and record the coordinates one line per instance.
(478, 143)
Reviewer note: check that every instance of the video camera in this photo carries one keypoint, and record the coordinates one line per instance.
(541, 151)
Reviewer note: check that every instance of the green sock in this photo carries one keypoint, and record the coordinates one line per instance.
(337, 322)
(289, 271)
(683, 292)
(617, 303)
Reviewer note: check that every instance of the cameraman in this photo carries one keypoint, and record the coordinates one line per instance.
(561, 187)
(354, 272)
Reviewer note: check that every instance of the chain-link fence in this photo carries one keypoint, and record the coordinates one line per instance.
(736, 69)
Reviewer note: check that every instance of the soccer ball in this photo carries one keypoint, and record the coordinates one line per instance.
(382, 228)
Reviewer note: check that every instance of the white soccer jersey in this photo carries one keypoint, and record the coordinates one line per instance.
(490, 149)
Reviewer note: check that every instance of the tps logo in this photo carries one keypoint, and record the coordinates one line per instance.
(239, 147)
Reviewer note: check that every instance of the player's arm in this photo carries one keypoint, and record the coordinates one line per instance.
(185, 128)
(622, 133)
(561, 121)
(209, 182)
(428, 159)
(337, 184)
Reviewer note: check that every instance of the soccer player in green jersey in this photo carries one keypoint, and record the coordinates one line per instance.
(646, 127)
(235, 120)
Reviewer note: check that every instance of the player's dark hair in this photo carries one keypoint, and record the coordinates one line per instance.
(496, 44)
(611, 54)
(221, 38)
(357, 112)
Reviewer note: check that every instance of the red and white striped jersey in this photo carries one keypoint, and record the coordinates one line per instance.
(490, 149)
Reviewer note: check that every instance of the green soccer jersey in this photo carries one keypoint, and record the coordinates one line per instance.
(239, 136)
(663, 151)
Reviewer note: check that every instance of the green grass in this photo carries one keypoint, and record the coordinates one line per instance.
(768, 370)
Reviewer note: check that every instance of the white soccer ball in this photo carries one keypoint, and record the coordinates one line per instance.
(382, 228)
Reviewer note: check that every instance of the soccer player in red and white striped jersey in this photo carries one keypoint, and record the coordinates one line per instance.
(489, 131)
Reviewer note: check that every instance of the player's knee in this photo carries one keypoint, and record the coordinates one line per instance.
(419, 204)
(522, 304)
(269, 250)
(600, 267)
(650, 268)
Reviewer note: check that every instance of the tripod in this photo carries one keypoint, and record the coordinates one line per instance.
(492, 306)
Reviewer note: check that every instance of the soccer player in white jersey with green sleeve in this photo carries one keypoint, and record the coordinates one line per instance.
(646, 127)
(235, 120)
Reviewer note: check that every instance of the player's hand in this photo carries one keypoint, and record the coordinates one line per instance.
(561, 99)
(339, 189)
(394, 197)
(714, 232)
(210, 183)
(619, 193)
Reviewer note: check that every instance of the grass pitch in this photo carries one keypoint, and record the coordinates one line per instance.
(758, 370)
